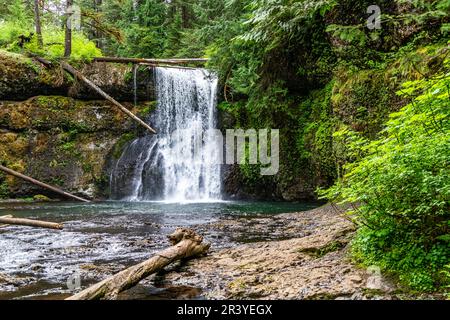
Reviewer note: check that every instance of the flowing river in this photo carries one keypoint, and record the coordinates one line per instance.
(110, 235)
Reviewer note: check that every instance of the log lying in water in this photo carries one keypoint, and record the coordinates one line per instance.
(9, 220)
(7, 216)
(41, 184)
(185, 244)
(93, 86)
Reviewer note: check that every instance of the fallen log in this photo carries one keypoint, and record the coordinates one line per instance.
(151, 61)
(7, 216)
(185, 244)
(167, 66)
(45, 62)
(9, 220)
(41, 184)
(96, 88)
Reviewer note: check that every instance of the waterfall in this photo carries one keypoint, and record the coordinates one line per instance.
(167, 166)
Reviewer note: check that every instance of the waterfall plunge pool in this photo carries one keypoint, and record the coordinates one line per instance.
(113, 235)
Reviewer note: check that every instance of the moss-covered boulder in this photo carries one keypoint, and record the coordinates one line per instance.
(21, 78)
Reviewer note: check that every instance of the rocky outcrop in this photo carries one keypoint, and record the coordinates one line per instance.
(64, 142)
(22, 78)
(54, 130)
(118, 81)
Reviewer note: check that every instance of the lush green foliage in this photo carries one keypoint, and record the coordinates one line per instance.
(401, 181)
(16, 21)
(417, 14)
(82, 48)
(19, 22)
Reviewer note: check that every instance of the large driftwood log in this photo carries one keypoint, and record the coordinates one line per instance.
(41, 184)
(93, 86)
(7, 216)
(9, 220)
(185, 244)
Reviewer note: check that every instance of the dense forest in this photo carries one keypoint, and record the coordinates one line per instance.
(362, 101)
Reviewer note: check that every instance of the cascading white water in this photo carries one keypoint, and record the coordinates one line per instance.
(168, 166)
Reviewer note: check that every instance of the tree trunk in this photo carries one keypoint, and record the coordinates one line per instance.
(9, 220)
(186, 243)
(41, 184)
(68, 25)
(93, 86)
(37, 21)
(185, 17)
(98, 35)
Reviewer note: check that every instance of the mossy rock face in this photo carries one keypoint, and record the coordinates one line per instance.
(364, 99)
(13, 150)
(22, 78)
(118, 80)
(64, 142)
(73, 162)
(306, 155)
(45, 113)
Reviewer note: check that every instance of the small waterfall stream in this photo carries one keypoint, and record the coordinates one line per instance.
(167, 166)
(135, 72)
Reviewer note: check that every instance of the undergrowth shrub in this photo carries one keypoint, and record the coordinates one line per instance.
(401, 183)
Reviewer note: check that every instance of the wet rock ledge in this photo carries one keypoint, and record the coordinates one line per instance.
(313, 263)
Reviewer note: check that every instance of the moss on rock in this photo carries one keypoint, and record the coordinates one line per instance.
(63, 142)
(23, 78)
(363, 99)
(46, 113)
